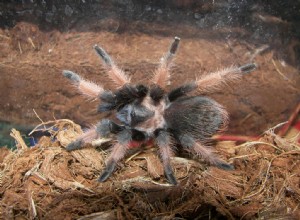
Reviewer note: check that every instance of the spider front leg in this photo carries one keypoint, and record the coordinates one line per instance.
(163, 141)
(204, 152)
(114, 73)
(87, 137)
(102, 129)
(162, 74)
(118, 153)
(89, 89)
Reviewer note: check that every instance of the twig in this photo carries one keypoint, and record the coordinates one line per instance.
(32, 170)
(32, 208)
(17, 136)
(134, 155)
(1, 178)
(81, 186)
(234, 138)
(5, 37)
(258, 51)
(258, 142)
(39, 117)
(49, 123)
(242, 156)
(245, 119)
(280, 73)
(161, 184)
(20, 48)
(295, 140)
(276, 126)
(291, 120)
(5, 65)
(31, 42)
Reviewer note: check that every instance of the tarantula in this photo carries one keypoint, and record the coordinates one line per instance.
(151, 113)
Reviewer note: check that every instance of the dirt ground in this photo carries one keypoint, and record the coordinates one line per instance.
(40, 40)
(47, 182)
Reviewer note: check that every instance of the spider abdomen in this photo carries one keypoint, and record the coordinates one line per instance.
(198, 116)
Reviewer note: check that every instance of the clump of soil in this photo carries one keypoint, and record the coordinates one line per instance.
(46, 181)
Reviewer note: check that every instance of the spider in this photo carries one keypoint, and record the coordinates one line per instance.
(151, 113)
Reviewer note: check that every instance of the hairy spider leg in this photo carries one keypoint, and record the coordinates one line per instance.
(87, 137)
(204, 152)
(118, 77)
(89, 89)
(163, 141)
(213, 81)
(118, 152)
(180, 91)
(106, 127)
(102, 129)
(162, 74)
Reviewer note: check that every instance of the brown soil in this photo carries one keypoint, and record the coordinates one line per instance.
(47, 182)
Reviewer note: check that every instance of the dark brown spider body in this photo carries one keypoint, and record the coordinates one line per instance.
(150, 114)
(202, 117)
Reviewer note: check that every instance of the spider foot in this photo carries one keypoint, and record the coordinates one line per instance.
(170, 175)
(74, 145)
(72, 76)
(248, 68)
(109, 169)
(171, 178)
(224, 166)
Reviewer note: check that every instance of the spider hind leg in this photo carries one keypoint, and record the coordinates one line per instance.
(214, 81)
(204, 152)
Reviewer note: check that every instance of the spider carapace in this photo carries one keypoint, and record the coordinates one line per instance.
(182, 116)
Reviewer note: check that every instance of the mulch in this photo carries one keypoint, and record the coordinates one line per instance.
(47, 182)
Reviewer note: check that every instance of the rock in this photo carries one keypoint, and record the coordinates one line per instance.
(197, 16)
(68, 10)
(148, 8)
(159, 11)
(49, 17)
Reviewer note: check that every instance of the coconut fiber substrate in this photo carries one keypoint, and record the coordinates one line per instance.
(47, 182)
